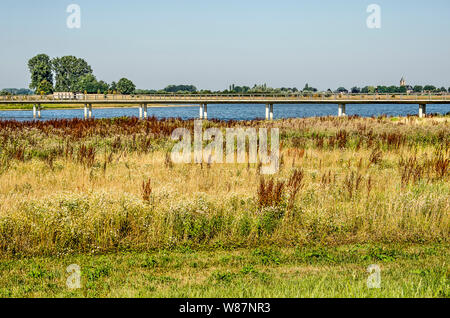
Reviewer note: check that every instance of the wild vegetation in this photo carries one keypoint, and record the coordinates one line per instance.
(94, 187)
(106, 185)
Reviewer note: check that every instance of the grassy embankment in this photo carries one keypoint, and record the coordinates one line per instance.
(406, 271)
(45, 106)
(351, 192)
(13, 107)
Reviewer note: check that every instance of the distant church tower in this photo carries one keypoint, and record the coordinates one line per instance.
(402, 82)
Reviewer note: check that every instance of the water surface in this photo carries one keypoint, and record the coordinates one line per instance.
(233, 111)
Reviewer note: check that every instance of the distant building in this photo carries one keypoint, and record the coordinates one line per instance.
(63, 95)
(67, 95)
(409, 89)
(402, 82)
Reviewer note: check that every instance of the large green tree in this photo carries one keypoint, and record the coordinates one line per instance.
(68, 71)
(181, 88)
(429, 88)
(87, 83)
(40, 68)
(44, 88)
(102, 87)
(418, 89)
(341, 90)
(125, 86)
(355, 90)
(113, 87)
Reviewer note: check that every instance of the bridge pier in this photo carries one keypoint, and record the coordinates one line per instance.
(36, 111)
(269, 111)
(140, 111)
(201, 111)
(422, 110)
(85, 111)
(90, 111)
(341, 111)
(145, 111)
(205, 111)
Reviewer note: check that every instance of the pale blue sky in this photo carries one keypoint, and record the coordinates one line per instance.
(212, 44)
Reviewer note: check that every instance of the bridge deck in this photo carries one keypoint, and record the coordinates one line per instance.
(220, 99)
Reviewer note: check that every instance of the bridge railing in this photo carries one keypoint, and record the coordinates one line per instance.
(208, 97)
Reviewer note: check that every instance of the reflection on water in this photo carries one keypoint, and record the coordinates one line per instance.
(233, 111)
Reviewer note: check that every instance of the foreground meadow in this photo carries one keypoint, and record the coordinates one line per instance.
(406, 270)
(105, 194)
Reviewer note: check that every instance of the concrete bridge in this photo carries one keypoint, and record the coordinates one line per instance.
(203, 100)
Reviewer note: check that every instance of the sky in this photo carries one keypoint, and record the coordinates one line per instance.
(212, 44)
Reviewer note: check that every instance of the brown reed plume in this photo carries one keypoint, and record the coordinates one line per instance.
(410, 170)
(440, 165)
(168, 163)
(342, 138)
(352, 183)
(19, 154)
(270, 193)
(146, 190)
(375, 156)
(86, 155)
(294, 185)
(393, 140)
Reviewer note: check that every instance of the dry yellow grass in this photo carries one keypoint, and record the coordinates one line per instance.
(67, 206)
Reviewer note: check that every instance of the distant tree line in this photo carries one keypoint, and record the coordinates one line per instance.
(16, 91)
(354, 90)
(398, 89)
(70, 74)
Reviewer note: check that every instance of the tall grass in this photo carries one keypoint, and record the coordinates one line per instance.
(77, 186)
